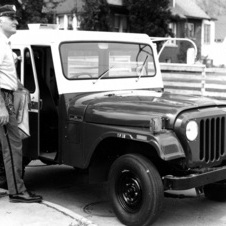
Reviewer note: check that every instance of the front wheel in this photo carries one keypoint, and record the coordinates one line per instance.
(135, 190)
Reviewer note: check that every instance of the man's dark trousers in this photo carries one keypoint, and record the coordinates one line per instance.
(12, 149)
(3, 181)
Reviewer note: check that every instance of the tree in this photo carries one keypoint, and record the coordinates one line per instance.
(144, 16)
(9, 2)
(95, 16)
(32, 11)
(149, 16)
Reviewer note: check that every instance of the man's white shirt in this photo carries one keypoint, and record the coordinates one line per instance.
(8, 74)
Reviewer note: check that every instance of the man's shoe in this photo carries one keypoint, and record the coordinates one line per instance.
(26, 197)
(3, 194)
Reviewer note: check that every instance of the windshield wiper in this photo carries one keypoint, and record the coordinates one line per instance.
(140, 73)
(103, 74)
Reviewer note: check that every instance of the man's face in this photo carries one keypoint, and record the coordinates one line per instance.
(8, 25)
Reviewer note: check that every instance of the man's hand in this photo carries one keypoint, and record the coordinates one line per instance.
(4, 116)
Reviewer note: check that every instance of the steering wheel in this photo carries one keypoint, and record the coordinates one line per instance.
(83, 75)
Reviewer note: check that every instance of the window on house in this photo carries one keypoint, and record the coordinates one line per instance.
(172, 3)
(219, 40)
(61, 22)
(120, 23)
(173, 28)
(189, 30)
(70, 22)
(78, 18)
(206, 33)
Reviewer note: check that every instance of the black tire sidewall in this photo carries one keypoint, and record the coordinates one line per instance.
(216, 191)
(151, 186)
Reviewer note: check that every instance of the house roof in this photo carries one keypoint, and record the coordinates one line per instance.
(188, 9)
(68, 6)
(220, 25)
(183, 8)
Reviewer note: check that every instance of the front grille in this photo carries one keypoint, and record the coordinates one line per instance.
(212, 139)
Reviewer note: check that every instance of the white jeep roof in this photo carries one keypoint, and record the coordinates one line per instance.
(53, 38)
(39, 37)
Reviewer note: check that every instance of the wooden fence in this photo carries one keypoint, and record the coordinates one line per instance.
(194, 80)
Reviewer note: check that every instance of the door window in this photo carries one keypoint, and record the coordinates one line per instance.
(29, 82)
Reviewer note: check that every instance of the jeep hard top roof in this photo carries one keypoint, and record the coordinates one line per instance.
(45, 37)
(53, 38)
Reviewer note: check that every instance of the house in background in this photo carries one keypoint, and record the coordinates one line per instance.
(219, 48)
(67, 14)
(118, 15)
(189, 21)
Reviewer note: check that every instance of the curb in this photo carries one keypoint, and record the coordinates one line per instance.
(80, 219)
(69, 213)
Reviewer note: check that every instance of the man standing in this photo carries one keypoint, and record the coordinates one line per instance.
(9, 134)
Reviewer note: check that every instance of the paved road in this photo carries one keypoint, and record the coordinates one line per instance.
(63, 186)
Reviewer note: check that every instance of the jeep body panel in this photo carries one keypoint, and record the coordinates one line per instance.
(129, 114)
(91, 131)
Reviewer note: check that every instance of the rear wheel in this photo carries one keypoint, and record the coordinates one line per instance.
(136, 190)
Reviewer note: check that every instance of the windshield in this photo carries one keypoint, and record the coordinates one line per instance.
(92, 60)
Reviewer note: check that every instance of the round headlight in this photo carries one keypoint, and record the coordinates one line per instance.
(192, 130)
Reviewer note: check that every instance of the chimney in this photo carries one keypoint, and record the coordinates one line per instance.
(172, 3)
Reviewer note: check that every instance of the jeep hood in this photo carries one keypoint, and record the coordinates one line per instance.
(134, 108)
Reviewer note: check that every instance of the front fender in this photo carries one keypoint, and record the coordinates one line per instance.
(169, 146)
(166, 143)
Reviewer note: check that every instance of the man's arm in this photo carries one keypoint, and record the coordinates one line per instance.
(4, 115)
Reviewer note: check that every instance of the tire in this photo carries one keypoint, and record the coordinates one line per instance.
(216, 191)
(135, 190)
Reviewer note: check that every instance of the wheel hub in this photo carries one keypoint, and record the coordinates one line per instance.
(129, 191)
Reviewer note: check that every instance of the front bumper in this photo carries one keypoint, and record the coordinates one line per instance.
(194, 180)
